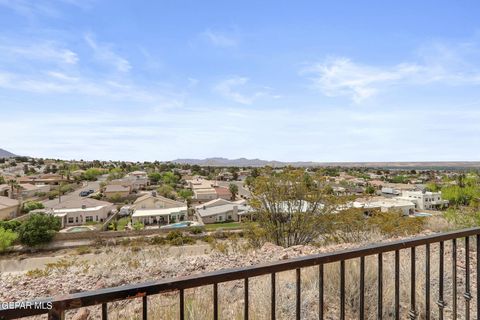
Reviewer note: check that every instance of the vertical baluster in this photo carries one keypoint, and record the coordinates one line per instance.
(454, 279)
(144, 308)
(104, 311)
(182, 304)
(342, 289)
(273, 297)
(427, 281)
(320, 292)
(413, 313)
(467, 293)
(298, 304)
(215, 301)
(441, 303)
(478, 276)
(56, 313)
(362, 288)
(397, 285)
(245, 305)
(380, 287)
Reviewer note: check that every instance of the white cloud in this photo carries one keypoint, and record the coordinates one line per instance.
(437, 63)
(233, 89)
(105, 54)
(228, 89)
(220, 39)
(40, 51)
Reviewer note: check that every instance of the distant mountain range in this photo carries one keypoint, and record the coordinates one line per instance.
(243, 162)
(6, 154)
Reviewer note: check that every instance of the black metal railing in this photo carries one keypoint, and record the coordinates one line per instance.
(104, 296)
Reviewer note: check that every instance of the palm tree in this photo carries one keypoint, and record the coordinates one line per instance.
(13, 185)
(233, 188)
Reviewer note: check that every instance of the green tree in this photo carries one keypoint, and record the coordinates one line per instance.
(38, 229)
(155, 177)
(7, 237)
(233, 188)
(32, 205)
(291, 209)
(166, 191)
(116, 173)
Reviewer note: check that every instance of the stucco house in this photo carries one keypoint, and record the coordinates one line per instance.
(221, 210)
(9, 208)
(80, 211)
(113, 190)
(154, 201)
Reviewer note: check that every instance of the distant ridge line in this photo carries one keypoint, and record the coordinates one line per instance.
(243, 162)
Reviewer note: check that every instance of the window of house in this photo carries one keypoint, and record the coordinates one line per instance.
(88, 218)
(96, 218)
(76, 219)
(70, 219)
(220, 218)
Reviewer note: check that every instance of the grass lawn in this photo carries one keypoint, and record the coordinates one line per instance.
(227, 225)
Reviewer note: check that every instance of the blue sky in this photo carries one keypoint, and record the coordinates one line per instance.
(283, 80)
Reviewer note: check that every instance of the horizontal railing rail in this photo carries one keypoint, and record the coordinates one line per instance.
(62, 303)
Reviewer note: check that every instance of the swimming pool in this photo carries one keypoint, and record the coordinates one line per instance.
(422, 214)
(79, 229)
(183, 224)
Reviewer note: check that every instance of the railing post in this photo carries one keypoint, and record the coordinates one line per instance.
(342, 289)
(144, 307)
(397, 285)
(182, 304)
(273, 297)
(298, 296)
(380, 287)
(427, 281)
(441, 303)
(454, 279)
(413, 312)
(320, 292)
(245, 305)
(104, 311)
(56, 313)
(478, 276)
(215, 301)
(362, 289)
(467, 295)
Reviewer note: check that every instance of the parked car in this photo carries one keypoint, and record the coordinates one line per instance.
(84, 193)
(91, 191)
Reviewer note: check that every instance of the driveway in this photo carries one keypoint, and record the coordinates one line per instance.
(95, 185)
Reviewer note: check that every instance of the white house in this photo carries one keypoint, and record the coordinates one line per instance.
(425, 200)
(220, 210)
(385, 204)
(80, 211)
(160, 216)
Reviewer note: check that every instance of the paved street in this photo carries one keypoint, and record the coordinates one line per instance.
(95, 185)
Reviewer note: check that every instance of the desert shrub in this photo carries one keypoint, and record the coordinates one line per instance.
(37, 273)
(463, 218)
(137, 225)
(82, 250)
(394, 223)
(135, 249)
(196, 230)
(32, 205)
(158, 240)
(174, 234)
(254, 234)
(38, 229)
(122, 223)
(177, 238)
(7, 238)
(10, 224)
